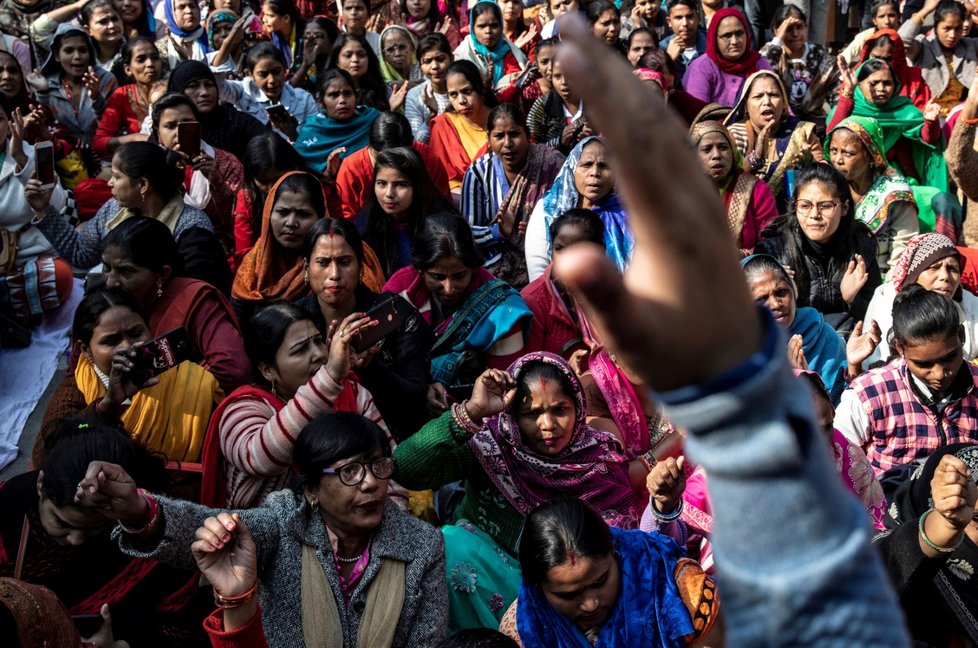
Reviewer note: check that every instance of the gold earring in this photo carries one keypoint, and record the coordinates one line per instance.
(159, 289)
(307, 275)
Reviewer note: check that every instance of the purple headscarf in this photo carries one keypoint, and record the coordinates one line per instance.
(593, 467)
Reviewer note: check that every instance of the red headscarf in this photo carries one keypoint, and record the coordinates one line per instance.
(911, 82)
(747, 63)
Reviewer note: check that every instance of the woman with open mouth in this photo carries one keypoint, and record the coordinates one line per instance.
(770, 138)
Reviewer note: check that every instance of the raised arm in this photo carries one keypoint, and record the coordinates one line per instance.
(681, 318)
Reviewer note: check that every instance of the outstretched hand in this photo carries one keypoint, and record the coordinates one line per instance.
(682, 312)
(226, 554)
(492, 393)
(861, 344)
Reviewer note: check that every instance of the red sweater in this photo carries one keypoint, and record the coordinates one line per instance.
(249, 635)
(123, 115)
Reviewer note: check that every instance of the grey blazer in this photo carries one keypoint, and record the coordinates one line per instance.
(932, 64)
(280, 528)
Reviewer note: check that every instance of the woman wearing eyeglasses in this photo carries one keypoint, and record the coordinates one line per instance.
(831, 254)
(334, 562)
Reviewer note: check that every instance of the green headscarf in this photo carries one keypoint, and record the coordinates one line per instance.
(387, 70)
(900, 118)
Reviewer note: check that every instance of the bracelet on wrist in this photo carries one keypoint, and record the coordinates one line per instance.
(231, 602)
(462, 418)
(969, 122)
(667, 517)
(929, 543)
(154, 514)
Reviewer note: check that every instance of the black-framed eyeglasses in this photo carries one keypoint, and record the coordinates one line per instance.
(353, 473)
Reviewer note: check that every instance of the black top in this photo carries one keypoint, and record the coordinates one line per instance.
(397, 377)
(228, 128)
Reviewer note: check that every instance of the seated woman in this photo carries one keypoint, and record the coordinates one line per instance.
(14, 87)
(812, 343)
(946, 58)
(273, 269)
(831, 254)
(502, 187)
(459, 135)
(225, 42)
(75, 96)
(886, 44)
(265, 85)
(879, 15)
(340, 128)
(924, 400)
(353, 55)
(585, 582)
(99, 18)
(932, 261)
(141, 258)
(129, 105)
(718, 76)
(771, 140)
(398, 62)
(368, 569)
(519, 441)
(557, 118)
(806, 68)
(423, 17)
(884, 200)
(68, 548)
(912, 140)
(515, 29)
(615, 404)
(605, 21)
(222, 125)
(355, 179)
(317, 38)
(478, 320)
(403, 198)
(185, 38)
(212, 178)
(750, 204)
(248, 454)
(429, 99)
(137, 18)
(284, 25)
(498, 60)
(145, 182)
(586, 181)
(31, 273)
(931, 546)
(396, 373)
(166, 414)
(266, 159)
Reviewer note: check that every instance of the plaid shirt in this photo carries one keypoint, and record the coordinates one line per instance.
(904, 429)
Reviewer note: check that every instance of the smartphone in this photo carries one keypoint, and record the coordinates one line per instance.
(389, 315)
(188, 136)
(156, 356)
(521, 80)
(44, 164)
(279, 112)
(87, 624)
(460, 392)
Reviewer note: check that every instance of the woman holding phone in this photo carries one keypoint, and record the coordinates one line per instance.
(26, 252)
(395, 369)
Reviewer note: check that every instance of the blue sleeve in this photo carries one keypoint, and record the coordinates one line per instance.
(792, 546)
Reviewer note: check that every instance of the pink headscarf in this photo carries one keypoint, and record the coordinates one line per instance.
(645, 74)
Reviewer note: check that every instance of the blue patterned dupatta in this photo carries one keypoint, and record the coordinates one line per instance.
(649, 612)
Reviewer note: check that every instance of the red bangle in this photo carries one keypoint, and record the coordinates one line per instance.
(229, 602)
(969, 122)
(154, 512)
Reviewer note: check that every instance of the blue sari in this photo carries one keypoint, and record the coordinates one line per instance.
(649, 611)
(824, 350)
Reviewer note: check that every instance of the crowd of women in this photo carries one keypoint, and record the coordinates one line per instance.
(343, 373)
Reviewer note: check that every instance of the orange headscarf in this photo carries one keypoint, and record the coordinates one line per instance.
(265, 273)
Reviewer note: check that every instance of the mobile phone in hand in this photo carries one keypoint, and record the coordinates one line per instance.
(160, 354)
(389, 315)
(44, 164)
(188, 136)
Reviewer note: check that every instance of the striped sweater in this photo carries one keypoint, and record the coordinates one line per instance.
(257, 441)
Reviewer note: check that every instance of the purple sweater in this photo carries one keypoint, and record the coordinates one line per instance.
(704, 80)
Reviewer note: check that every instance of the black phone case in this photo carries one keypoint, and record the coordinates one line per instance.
(389, 315)
(160, 354)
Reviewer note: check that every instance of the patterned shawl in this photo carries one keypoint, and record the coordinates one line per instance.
(592, 467)
(737, 188)
(888, 188)
(39, 617)
(921, 252)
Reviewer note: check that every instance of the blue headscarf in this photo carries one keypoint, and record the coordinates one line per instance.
(320, 135)
(498, 53)
(199, 34)
(649, 611)
(563, 195)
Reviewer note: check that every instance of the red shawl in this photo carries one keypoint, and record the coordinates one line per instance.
(747, 63)
(912, 83)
